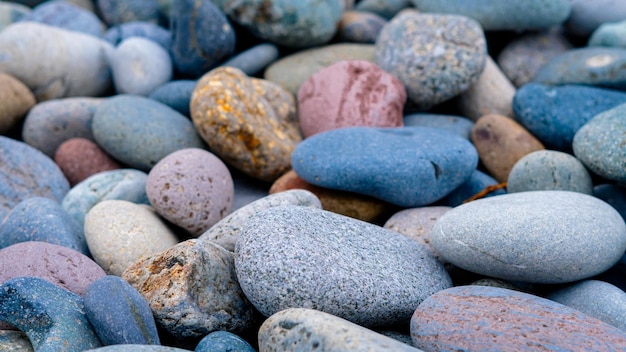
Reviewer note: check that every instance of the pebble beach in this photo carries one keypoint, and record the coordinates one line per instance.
(312, 175)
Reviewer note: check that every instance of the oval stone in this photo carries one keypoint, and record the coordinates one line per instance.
(80, 158)
(15, 101)
(176, 95)
(535, 236)
(290, 256)
(254, 60)
(609, 34)
(157, 34)
(409, 166)
(223, 341)
(475, 318)
(64, 15)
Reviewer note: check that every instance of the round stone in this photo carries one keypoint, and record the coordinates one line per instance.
(80, 158)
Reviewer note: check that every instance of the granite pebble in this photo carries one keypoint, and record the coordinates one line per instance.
(223, 341)
(16, 100)
(80, 158)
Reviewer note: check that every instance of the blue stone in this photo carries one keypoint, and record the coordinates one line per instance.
(66, 16)
(44, 220)
(255, 59)
(26, 172)
(615, 195)
(223, 341)
(408, 166)
(555, 114)
(201, 36)
(455, 124)
(384, 8)
(148, 30)
(139, 131)
(119, 314)
(478, 182)
(51, 316)
(137, 348)
(609, 34)
(595, 66)
(587, 16)
(121, 11)
(11, 12)
(176, 95)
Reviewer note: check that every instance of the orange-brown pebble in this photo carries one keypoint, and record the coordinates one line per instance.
(80, 158)
(15, 101)
(501, 142)
(345, 203)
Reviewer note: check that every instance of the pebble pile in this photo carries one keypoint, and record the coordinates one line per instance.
(301, 175)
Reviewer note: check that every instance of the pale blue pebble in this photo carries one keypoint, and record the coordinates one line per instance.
(11, 12)
(148, 30)
(121, 11)
(586, 16)
(255, 59)
(609, 34)
(67, 16)
(223, 341)
(176, 95)
(384, 8)
(452, 123)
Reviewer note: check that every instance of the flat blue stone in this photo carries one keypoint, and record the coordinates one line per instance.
(223, 341)
(408, 166)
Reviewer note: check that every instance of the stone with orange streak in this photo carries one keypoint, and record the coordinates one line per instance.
(249, 123)
(501, 142)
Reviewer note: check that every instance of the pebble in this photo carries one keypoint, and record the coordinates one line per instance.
(175, 94)
(384, 162)
(609, 34)
(554, 114)
(384, 8)
(139, 66)
(436, 57)
(254, 60)
(201, 36)
(14, 341)
(16, 100)
(534, 236)
(226, 232)
(139, 131)
(478, 182)
(115, 12)
(76, 63)
(26, 172)
(50, 123)
(64, 15)
(11, 12)
(545, 170)
(119, 314)
(80, 158)
(122, 184)
(586, 17)
(117, 34)
(308, 23)
(456, 124)
(501, 142)
(304, 329)
(601, 145)
(492, 93)
(503, 15)
(472, 318)
(293, 70)
(42, 219)
(594, 66)
(292, 256)
(136, 348)
(192, 290)
(119, 233)
(59, 265)
(595, 298)
(360, 27)
(223, 341)
(350, 204)
(54, 319)
(191, 188)
(350, 93)
(249, 123)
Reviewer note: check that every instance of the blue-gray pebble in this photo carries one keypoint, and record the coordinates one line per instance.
(119, 314)
(609, 34)
(479, 181)
(535, 236)
(139, 131)
(455, 124)
(223, 341)
(587, 16)
(26, 172)
(293, 256)
(123, 184)
(52, 317)
(255, 59)
(201, 36)
(554, 114)
(122, 11)
(384, 8)
(44, 220)
(601, 144)
(176, 95)
(11, 12)
(148, 30)
(408, 166)
(67, 16)
(503, 15)
(137, 348)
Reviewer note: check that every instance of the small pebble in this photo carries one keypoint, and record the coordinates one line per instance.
(64, 15)
(452, 123)
(223, 341)
(116, 12)
(610, 34)
(360, 27)
(15, 101)
(80, 158)
(254, 60)
(117, 34)
(176, 95)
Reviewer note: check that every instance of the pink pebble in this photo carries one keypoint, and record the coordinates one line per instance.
(80, 158)
(350, 93)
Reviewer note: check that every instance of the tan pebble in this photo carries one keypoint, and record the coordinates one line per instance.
(15, 101)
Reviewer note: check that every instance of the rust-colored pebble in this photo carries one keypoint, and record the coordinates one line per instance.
(80, 158)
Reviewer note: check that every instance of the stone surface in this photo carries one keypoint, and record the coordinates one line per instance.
(59, 265)
(117, 34)
(16, 100)
(545, 170)
(609, 34)
(227, 231)
(14, 341)
(137, 348)
(436, 57)
(55, 320)
(116, 11)
(350, 93)
(80, 158)
(254, 60)
(223, 341)
(119, 233)
(587, 17)
(119, 314)
(386, 164)
(249, 123)
(501, 142)
(360, 27)
(305, 329)
(26, 172)
(64, 15)
(477, 183)
(291, 256)
(75, 64)
(600, 144)
(11, 12)
(192, 290)
(535, 236)
(123, 184)
(139, 131)
(475, 317)
(384, 8)
(176, 95)
(192, 188)
(455, 124)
